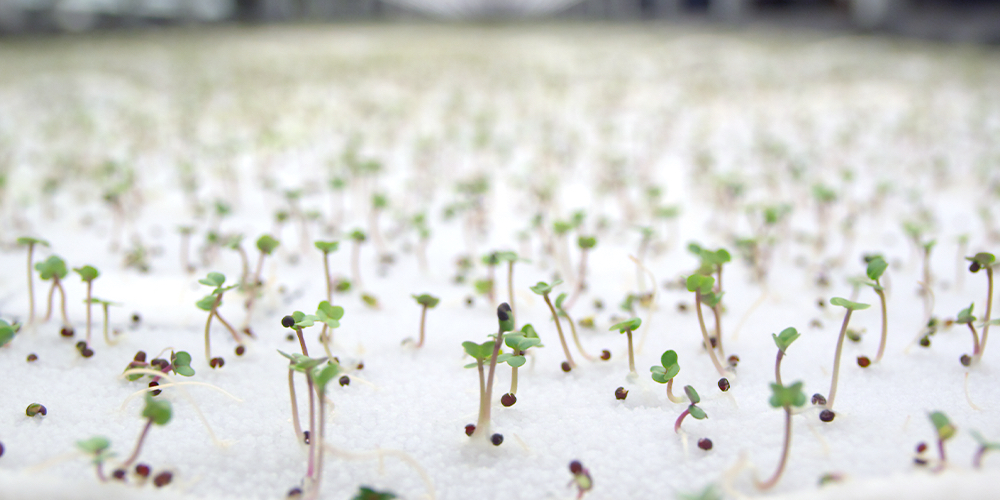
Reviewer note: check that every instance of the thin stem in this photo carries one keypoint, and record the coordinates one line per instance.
(836, 362)
(677, 423)
(513, 377)
(226, 324)
(989, 308)
(138, 445)
(208, 325)
(31, 285)
(483, 402)
(704, 334)
(310, 470)
(100, 472)
(319, 444)
(576, 339)
(302, 341)
(777, 367)
(975, 339)
(977, 459)
(784, 454)
(491, 269)
(423, 317)
(942, 455)
(329, 282)
(631, 357)
(670, 393)
(62, 300)
(482, 428)
(89, 287)
(52, 292)
(718, 330)
(295, 407)
(581, 281)
(885, 325)
(107, 339)
(562, 338)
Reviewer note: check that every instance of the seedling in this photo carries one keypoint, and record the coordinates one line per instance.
(627, 327)
(97, 446)
(235, 243)
(945, 431)
(7, 332)
(327, 247)
(211, 303)
(701, 285)
(266, 246)
(984, 446)
(486, 286)
(876, 266)
(785, 398)
(54, 269)
(965, 317)
(712, 262)
(572, 326)
(88, 274)
(581, 478)
(519, 342)
(692, 409)
(586, 244)
(488, 350)
(358, 237)
(156, 412)
(510, 257)
(31, 242)
(426, 302)
(783, 340)
(185, 232)
(851, 307)
(105, 305)
(647, 236)
(543, 289)
(366, 493)
(979, 261)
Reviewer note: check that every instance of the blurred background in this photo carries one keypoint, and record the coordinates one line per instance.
(975, 21)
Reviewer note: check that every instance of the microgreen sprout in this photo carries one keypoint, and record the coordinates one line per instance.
(105, 306)
(510, 258)
(426, 302)
(876, 266)
(210, 303)
(785, 398)
(481, 352)
(692, 409)
(712, 262)
(519, 342)
(88, 274)
(945, 431)
(572, 326)
(54, 269)
(581, 478)
(185, 232)
(97, 446)
(702, 285)
(266, 245)
(358, 237)
(318, 372)
(235, 243)
(586, 244)
(783, 340)
(156, 412)
(31, 242)
(979, 261)
(36, 409)
(543, 289)
(965, 317)
(850, 307)
(487, 286)
(627, 327)
(984, 446)
(366, 493)
(327, 247)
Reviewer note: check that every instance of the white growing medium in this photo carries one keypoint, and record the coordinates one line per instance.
(545, 108)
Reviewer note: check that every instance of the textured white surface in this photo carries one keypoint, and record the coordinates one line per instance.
(256, 111)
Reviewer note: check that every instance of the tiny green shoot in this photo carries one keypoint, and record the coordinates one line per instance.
(984, 446)
(665, 372)
(692, 408)
(519, 343)
(983, 260)
(850, 307)
(54, 269)
(783, 340)
(358, 237)
(945, 431)
(88, 274)
(784, 397)
(876, 266)
(544, 289)
(572, 326)
(426, 301)
(627, 327)
(702, 285)
(210, 303)
(31, 242)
